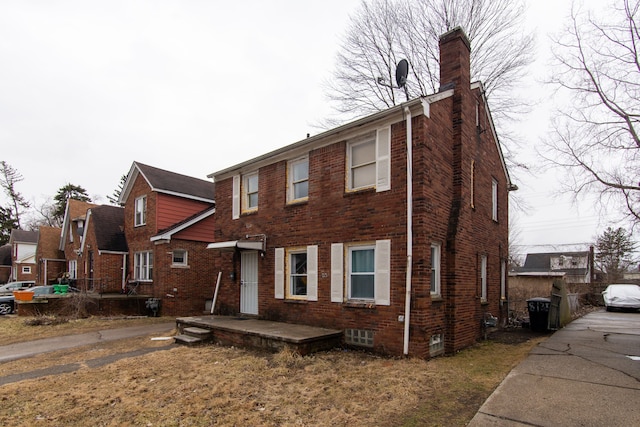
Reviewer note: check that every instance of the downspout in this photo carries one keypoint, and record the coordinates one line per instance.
(124, 271)
(407, 299)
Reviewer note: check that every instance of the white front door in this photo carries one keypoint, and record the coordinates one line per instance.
(249, 282)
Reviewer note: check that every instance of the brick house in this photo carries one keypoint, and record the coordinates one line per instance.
(168, 222)
(49, 258)
(103, 249)
(336, 231)
(23, 254)
(71, 241)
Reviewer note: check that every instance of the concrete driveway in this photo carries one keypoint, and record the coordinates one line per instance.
(586, 374)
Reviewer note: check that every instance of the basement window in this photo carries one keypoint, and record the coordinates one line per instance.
(436, 345)
(359, 337)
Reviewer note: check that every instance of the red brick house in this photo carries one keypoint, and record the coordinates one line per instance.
(49, 258)
(103, 249)
(337, 231)
(168, 222)
(23, 255)
(71, 242)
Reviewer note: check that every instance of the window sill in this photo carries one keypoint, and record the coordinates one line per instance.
(298, 202)
(180, 266)
(436, 298)
(295, 301)
(484, 301)
(353, 191)
(360, 304)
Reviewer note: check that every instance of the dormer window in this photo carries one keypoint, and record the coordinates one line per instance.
(140, 216)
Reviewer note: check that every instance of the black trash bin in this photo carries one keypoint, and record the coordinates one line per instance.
(539, 313)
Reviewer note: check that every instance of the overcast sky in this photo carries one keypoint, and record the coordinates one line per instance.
(88, 87)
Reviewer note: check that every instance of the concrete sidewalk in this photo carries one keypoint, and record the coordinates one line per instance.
(32, 348)
(586, 374)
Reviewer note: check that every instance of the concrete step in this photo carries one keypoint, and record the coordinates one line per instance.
(197, 332)
(187, 339)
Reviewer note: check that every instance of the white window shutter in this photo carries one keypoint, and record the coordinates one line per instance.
(279, 273)
(383, 159)
(235, 202)
(383, 272)
(337, 272)
(312, 273)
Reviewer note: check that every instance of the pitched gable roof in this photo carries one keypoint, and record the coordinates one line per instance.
(23, 236)
(163, 181)
(48, 242)
(108, 226)
(75, 210)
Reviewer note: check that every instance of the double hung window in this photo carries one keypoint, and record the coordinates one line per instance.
(369, 161)
(143, 266)
(140, 207)
(298, 274)
(298, 178)
(250, 192)
(361, 277)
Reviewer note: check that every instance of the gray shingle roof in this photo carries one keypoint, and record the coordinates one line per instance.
(108, 223)
(164, 181)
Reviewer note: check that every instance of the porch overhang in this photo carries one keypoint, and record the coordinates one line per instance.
(243, 245)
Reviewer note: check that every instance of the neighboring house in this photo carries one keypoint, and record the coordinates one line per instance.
(103, 249)
(168, 222)
(50, 259)
(71, 241)
(5, 263)
(337, 231)
(23, 256)
(574, 267)
(536, 277)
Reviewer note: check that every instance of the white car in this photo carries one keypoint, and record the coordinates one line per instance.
(621, 296)
(16, 286)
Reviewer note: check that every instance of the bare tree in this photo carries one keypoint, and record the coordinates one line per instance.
(9, 177)
(595, 137)
(382, 32)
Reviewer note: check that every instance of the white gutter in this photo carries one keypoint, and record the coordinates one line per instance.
(124, 271)
(407, 298)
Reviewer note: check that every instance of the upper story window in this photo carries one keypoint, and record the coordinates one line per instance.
(435, 269)
(368, 161)
(494, 199)
(140, 215)
(250, 192)
(298, 180)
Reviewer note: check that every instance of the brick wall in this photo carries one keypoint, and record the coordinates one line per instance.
(445, 145)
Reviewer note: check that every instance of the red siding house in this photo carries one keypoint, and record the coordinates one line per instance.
(168, 222)
(392, 228)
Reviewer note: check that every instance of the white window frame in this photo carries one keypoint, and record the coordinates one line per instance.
(26, 269)
(73, 269)
(143, 266)
(185, 258)
(494, 200)
(282, 276)
(291, 275)
(351, 273)
(292, 183)
(435, 281)
(381, 146)
(246, 194)
(483, 278)
(140, 211)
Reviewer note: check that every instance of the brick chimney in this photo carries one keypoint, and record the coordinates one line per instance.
(455, 62)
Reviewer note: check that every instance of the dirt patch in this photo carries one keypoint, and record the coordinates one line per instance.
(516, 336)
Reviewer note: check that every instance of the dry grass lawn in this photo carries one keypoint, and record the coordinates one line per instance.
(213, 385)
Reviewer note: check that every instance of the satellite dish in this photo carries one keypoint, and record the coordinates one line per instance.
(402, 70)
